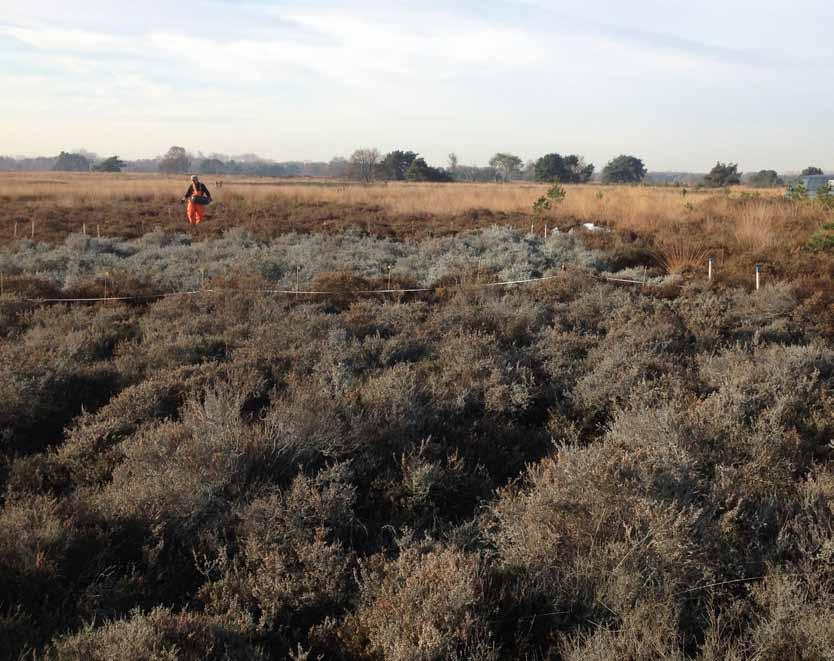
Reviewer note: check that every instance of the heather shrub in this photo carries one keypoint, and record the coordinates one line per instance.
(589, 312)
(92, 447)
(159, 634)
(291, 568)
(14, 315)
(472, 377)
(707, 315)
(561, 355)
(793, 619)
(395, 399)
(766, 314)
(173, 262)
(175, 476)
(35, 540)
(61, 362)
(640, 347)
(591, 470)
(643, 635)
(178, 332)
(38, 474)
(422, 605)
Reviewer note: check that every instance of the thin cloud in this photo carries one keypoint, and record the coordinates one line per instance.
(319, 78)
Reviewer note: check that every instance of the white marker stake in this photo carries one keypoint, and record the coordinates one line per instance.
(545, 231)
(711, 261)
(758, 275)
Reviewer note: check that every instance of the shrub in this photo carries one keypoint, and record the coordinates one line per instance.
(159, 634)
(420, 606)
(292, 568)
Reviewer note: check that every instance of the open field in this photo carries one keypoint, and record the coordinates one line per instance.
(586, 202)
(568, 468)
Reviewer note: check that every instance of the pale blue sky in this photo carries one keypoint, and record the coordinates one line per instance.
(679, 83)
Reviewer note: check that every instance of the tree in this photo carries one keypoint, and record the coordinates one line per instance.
(568, 170)
(723, 174)
(550, 167)
(453, 163)
(624, 170)
(765, 179)
(419, 170)
(507, 164)
(363, 164)
(175, 161)
(212, 166)
(338, 167)
(71, 163)
(579, 172)
(112, 164)
(798, 191)
(811, 171)
(395, 164)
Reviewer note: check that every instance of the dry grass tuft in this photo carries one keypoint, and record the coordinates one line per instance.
(681, 255)
(755, 226)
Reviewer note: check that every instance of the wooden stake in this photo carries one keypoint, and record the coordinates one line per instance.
(710, 262)
(33, 229)
(15, 230)
(758, 275)
(84, 229)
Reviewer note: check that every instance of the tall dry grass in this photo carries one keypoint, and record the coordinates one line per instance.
(637, 208)
(756, 227)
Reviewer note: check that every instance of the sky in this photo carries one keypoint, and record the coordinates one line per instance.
(679, 84)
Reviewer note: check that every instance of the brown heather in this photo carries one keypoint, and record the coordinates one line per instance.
(569, 470)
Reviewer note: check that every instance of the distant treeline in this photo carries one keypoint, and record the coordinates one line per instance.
(370, 164)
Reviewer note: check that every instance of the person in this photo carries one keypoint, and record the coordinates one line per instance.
(195, 209)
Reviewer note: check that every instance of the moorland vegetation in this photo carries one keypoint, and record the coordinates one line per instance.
(567, 469)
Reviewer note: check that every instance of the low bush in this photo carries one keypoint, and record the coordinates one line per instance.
(160, 634)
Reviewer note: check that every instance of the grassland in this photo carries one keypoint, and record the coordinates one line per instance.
(571, 469)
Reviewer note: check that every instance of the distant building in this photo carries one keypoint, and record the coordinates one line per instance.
(816, 181)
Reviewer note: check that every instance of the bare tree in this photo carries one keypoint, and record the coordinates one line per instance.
(363, 164)
(453, 163)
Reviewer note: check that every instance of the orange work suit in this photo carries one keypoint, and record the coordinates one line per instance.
(195, 212)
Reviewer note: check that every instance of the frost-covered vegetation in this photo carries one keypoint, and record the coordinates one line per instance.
(172, 261)
(565, 471)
